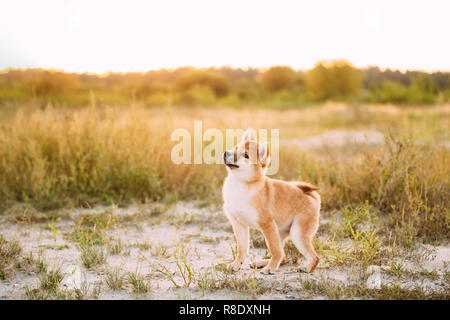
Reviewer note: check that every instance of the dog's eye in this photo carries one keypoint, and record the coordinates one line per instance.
(246, 155)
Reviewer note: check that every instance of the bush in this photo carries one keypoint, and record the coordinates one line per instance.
(393, 92)
(37, 82)
(335, 80)
(213, 80)
(196, 95)
(278, 78)
(423, 90)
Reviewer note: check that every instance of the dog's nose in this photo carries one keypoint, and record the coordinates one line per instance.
(228, 157)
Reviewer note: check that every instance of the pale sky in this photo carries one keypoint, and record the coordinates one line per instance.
(98, 36)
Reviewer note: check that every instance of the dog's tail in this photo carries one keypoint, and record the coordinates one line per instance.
(308, 189)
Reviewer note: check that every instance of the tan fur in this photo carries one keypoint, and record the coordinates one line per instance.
(306, 187)
(279, 209)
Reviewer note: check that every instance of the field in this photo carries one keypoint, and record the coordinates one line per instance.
(91, 205)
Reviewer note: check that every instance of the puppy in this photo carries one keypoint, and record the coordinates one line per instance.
(279, 209)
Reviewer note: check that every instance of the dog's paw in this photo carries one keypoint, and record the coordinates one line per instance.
(259, 264)
(234, 266)
(303, 269)
(267, 270)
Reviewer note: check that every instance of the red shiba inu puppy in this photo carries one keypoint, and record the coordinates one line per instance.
(279, 209)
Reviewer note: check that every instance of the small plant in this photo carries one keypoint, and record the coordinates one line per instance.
(352, 218)
(212, 281)
(92, 255)
(40, 265)
(397, 269)
(58, 294)
(307, 284)
(87, 235)
(186, 218)
(9, 257)
(53, 228)
(183, 266)
(140, 285)
(166, 272)
(143, 245)
(114, 279)
(203, 282)
(207, 239)
(367, 245)
(55, 247)
(161, 250)
(35, 294)
(9, 249)
(103, 221)
(91, 229)
(115, 247)
(50, 279)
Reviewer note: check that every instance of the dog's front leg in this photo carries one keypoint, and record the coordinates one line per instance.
(241, 233)
(273, 241)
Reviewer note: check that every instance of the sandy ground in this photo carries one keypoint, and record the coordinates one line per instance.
(338, 138)
(205, 236)
(346, 138)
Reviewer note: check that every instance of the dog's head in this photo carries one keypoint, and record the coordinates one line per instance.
(248, 160)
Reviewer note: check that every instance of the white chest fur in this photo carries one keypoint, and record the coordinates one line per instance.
(237, 196)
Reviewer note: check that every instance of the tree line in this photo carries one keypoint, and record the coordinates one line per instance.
(336, 80)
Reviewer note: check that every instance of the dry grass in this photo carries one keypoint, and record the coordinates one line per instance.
(114, 279)
(139, 283)
(92, 255)
(217, 281)
(9, 257)
(386, 292)
(60, 158)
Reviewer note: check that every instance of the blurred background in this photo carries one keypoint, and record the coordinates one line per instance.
(288, 54)
(274, 87)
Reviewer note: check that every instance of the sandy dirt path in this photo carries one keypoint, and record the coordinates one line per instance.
(201, 240)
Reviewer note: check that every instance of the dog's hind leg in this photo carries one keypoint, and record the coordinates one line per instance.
(302, 232)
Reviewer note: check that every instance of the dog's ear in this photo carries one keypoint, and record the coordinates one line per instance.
(249, 135)
(264, 154)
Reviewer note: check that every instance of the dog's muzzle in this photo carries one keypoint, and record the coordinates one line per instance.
(228, 159)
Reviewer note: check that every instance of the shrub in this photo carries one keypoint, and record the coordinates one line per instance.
(278, 78)
(422, 90)
(213, 80)
(391, 91)
(334, 80)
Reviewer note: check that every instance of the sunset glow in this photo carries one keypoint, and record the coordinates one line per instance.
(98, 36)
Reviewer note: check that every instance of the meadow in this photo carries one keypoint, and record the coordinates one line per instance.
(386, 198)
(53, 158)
